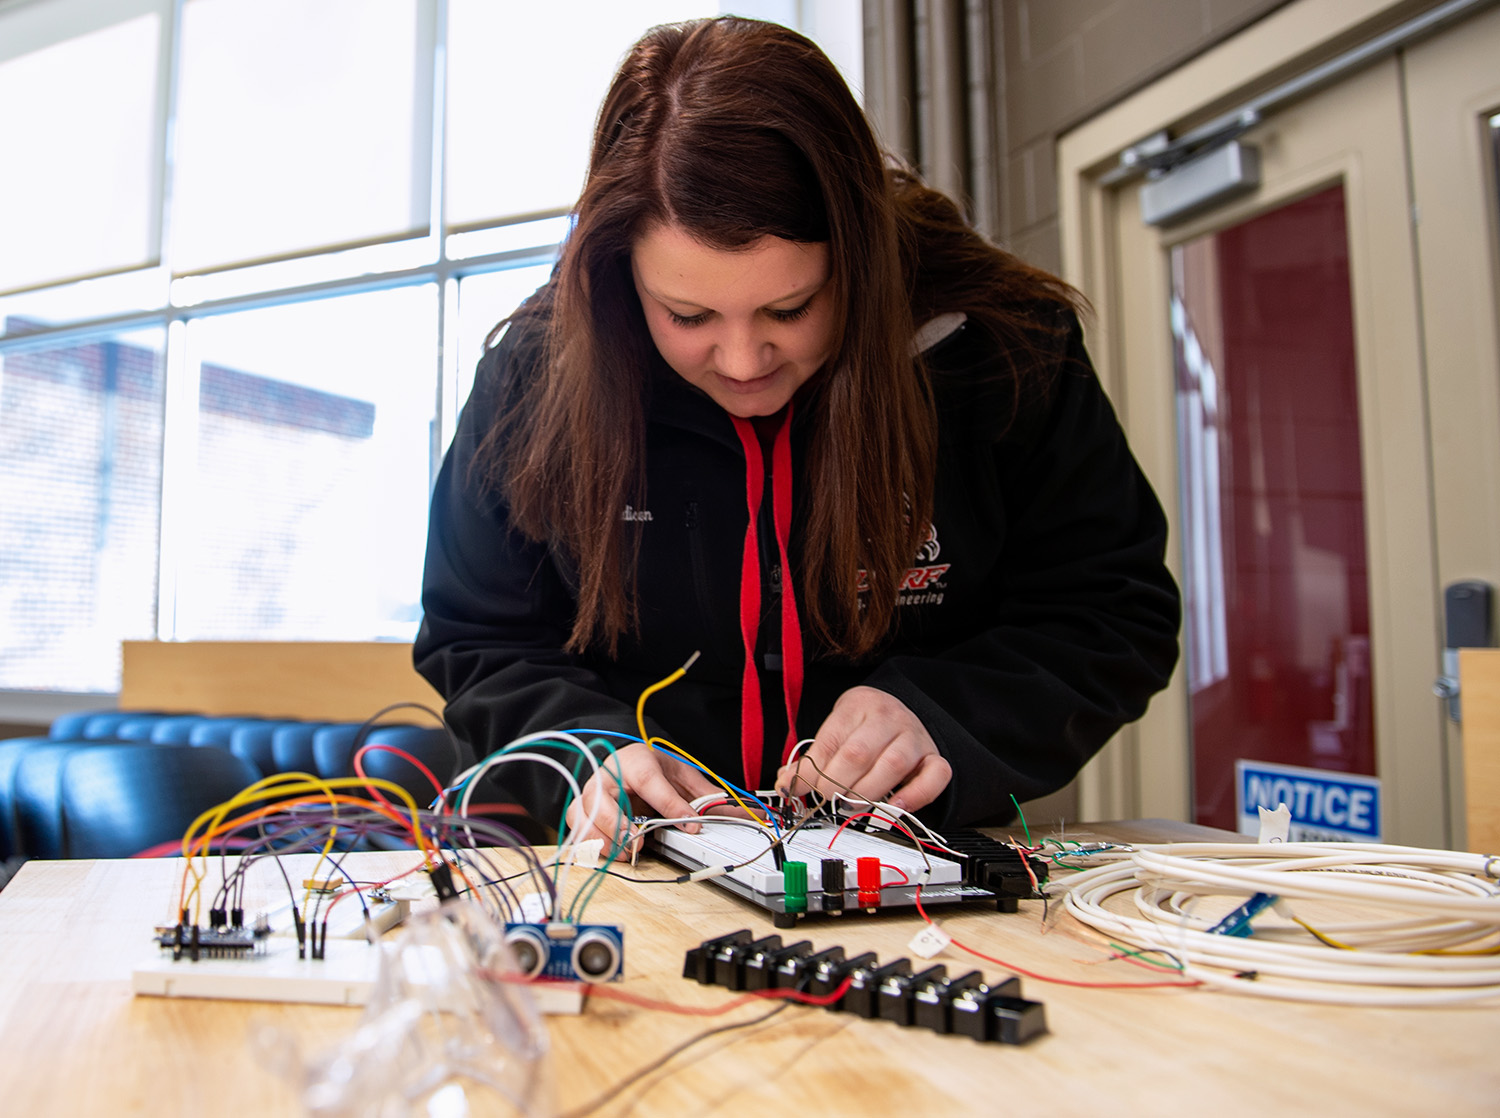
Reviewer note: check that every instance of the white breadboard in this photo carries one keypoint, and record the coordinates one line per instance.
(724, 845)
(344, 976)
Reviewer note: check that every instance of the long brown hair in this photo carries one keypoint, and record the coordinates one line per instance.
(735, 129)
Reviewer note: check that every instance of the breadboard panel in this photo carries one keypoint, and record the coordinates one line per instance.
(725, 845)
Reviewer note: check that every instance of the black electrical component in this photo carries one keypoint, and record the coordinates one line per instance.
(192, 942)
(897, 994)
(797, 974)
(762, 968)
(828, 977)
(998, 867)
(929, 999)
(729, 961)
(833, 885)
(862, 997)
(699, 962)
(985, 1014)
(442, 881)
(932, 1000)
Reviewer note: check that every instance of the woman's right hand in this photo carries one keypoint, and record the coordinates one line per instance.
(655, 784)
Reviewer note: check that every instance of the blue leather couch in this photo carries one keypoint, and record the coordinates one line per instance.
(111, 784)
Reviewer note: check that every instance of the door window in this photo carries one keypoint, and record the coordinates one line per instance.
(1277, 620)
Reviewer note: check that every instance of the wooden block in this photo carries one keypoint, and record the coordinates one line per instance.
(1479, 676)
(336, 681)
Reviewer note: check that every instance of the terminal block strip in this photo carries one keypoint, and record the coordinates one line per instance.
(928, 999)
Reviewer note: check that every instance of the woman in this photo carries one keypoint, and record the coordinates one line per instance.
(766, 350)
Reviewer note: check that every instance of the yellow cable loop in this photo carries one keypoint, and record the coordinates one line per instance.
(213, 818)
(284, 785)
(733, 795)
(640, 722)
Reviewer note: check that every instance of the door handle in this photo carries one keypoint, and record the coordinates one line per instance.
(1468, 622)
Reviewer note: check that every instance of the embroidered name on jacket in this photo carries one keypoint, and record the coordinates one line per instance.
(922, 584)
(637, 515)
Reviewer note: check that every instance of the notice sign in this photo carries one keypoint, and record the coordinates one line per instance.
(1325, 806)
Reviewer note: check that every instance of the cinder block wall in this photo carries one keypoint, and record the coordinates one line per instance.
(1061, 61)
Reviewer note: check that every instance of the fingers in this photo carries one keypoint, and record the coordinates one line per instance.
(662, 795)
(596, 815)
(925, 784)
(871, 744)
(653, 780)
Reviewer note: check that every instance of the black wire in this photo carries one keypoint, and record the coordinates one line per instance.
(671, 1053)
(647, 880)
(370, 725)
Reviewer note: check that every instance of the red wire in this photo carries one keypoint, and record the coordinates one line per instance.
(873, 815)
(1045, 978)
(353, 889)
(477, 810)
(905, 877)
(404, 755)
(174, 846)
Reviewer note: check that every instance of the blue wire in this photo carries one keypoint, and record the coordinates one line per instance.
(584, 730)
(765, 807)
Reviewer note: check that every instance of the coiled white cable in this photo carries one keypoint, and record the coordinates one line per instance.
(1408, 904)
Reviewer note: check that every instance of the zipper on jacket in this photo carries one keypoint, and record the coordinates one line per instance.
(696, 560)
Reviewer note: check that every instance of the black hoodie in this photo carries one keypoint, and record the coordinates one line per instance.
(1037, 620)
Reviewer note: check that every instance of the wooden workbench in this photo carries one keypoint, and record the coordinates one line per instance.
(74, 1041)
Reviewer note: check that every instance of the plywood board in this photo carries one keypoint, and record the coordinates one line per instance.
(1479, 676)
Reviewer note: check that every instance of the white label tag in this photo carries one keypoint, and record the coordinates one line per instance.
(1275, 825)
(929, 941)
(586, 853)
(534, 908)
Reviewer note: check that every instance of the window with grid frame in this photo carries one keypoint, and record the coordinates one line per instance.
(229, 365)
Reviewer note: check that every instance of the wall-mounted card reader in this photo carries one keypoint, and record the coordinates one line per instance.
(1468, 622)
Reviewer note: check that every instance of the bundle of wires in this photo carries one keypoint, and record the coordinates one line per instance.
(777, 816)
(293, 813)
(1360, 923)
(299, 812)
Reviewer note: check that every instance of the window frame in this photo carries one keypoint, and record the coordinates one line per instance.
(153, 295)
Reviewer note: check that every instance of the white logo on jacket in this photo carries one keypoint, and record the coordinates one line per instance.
(637, 515)
(922, 584)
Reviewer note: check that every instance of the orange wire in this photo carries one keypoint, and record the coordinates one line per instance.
(201, 846)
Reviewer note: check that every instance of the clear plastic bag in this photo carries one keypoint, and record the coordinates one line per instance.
(440, 1037)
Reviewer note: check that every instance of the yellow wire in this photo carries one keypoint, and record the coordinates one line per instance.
(733, 795)
(1331, 942)
(278, 785)
(640, 704)
(640, 721)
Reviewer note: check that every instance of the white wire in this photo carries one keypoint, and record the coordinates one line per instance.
(791, 757)
(1435, 899)
(890, 813)
(706, 820)
(562, 870)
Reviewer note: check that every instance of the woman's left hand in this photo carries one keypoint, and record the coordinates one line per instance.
(871, 743)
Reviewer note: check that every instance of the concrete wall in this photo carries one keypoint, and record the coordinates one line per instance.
(1061, 61)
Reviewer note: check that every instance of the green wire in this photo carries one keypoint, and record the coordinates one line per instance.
(622, 801)
(1174, 965)
(1022, 816)
(582, 898)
